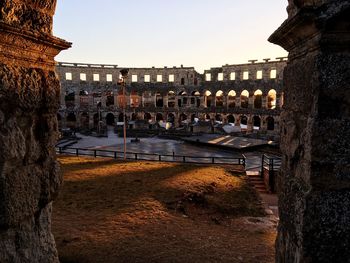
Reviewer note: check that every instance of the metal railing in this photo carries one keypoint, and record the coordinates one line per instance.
(152, 156)
(270, 166)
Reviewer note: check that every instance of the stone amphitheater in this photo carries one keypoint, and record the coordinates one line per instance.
(248, 94)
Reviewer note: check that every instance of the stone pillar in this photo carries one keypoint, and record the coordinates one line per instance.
(76, 99)
(250, 127)
(103, 101)
(29, 101)
(314, 195)
(238, 101)
(251, 100)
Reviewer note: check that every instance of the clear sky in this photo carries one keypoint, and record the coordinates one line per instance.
(146, 33)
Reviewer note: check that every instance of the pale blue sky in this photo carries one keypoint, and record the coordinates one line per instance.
(145, 33)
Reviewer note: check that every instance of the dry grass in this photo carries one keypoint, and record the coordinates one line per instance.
(112, 211)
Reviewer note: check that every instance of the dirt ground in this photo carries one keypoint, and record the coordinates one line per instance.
(111, 211)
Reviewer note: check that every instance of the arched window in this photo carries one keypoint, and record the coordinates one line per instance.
(271, 99)
(219, 99)
(258, 99)
(159, 100)
(207, 98)
(244, 99)
(256, 122)
(244, 120)
(84, 120)
(270, 123)
(147, 116)
(134, 99)
(231, 118)
(110, 119)
(109, 99)
(182, 100)
(195, 100)
(159, 117)
(171, 99)
(171, 118)
(231, 100)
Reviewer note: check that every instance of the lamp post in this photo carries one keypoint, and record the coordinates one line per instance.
(124, 73)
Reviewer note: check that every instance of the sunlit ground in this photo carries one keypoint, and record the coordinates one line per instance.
(112, 211)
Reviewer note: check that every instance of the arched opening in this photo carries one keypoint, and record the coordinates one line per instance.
(231, 119)
(159, 117)
(134, 99)
(109, 98)
(134, 117)
(257, 122)
(218, 118)
(196, 100)
(193, 117)
(171, 99)
(121, 117)
(84, 120)
(71, 120)
(96, 120)
(244, 120)
(147, 116)
(258, 99)
(159, 100)
(207, 98)
(231, 100)
(70, 99)
(207, 117)
(182, 119)
(110, 119)
(97, 98)
(244, 99)
(182, 100)
(270, 123)
(171, 118)
(148, 99)
(219, 99)
(271, 99)
(84, 98)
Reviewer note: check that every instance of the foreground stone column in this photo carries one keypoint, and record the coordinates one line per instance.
(314, 201)
(29, 100)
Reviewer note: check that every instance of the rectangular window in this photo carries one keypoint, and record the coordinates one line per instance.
(68, 76)
(96, 77)
(245, 75)
(82, 76)
(159, 78)
(208, 77)
(109, 77)
(220, 76)
(273, 73)
(147, 78)
(133, 78)
(171, 78)
(233, 76)
(259, 74)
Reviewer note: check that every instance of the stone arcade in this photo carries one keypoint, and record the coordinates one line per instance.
(250, 94)
(315, 180)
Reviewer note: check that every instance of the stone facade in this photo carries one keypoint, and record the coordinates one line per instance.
(314, 200)
(250, 93)
(29, 100)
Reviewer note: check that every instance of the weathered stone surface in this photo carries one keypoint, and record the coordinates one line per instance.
(314, 199)
(29, 100)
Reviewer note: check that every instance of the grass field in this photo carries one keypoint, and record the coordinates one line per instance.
(112, 211)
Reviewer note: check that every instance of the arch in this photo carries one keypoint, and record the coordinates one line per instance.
(196, 93)
(147, 99)
(96, 119)
(207, 116)
(219, 98)
(110, 119)
(271, 99)
(193, 117)
(109, 98)
(218, 117)
(134, 99)
(243, 120)
(171, 99)
(147, 116)
(134, 116)
(183, 99)
(159, 100)
(270, 123)
(159, 117)
(71, 117)
(84, 120)
(207, 98)
(195, 100)
(244, 99)
(69, 99)
(258, 99)
(171, 118)
(231, 119)
(256, 121)
(182, 118)
(121, 117)
(231, 99)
